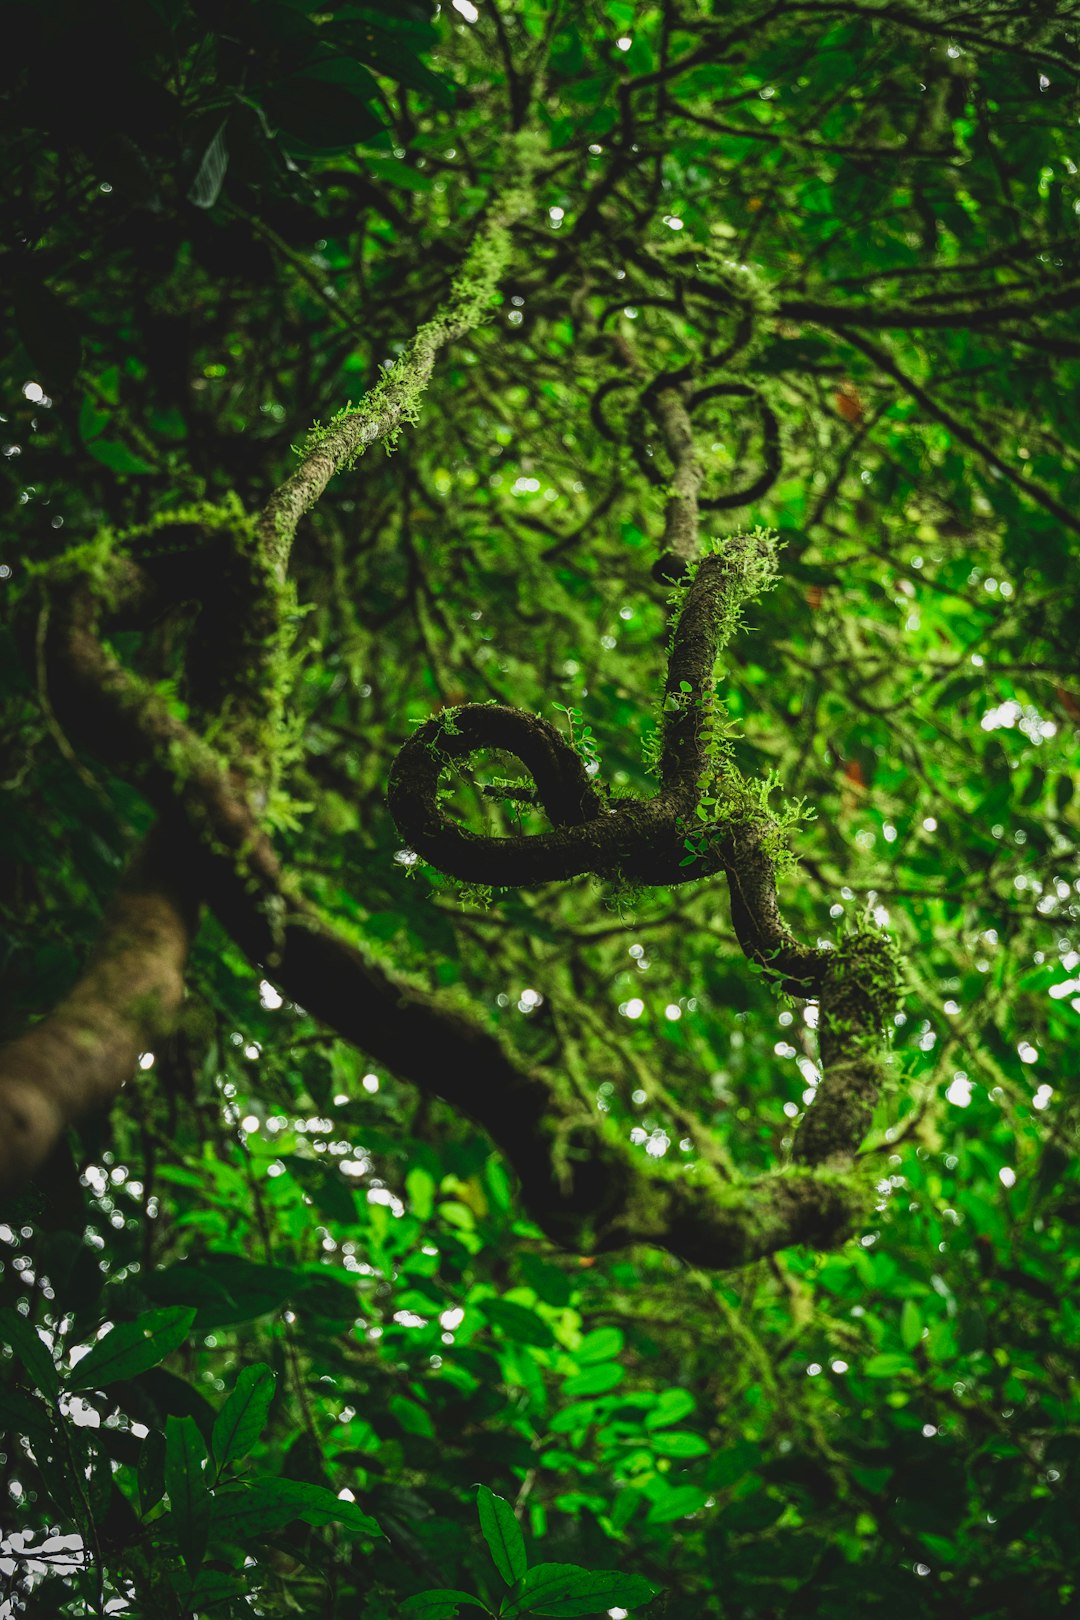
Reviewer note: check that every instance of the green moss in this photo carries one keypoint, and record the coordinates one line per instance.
(865, 976)
(395, 400)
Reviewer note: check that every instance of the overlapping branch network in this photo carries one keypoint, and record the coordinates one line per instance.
(208, 774)
(705, 818)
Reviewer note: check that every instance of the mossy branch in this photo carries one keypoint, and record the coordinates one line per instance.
(395, 400)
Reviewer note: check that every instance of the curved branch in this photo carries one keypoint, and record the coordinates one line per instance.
(395, 398)
(1062, 295)
(81, 1055)
(644, 841)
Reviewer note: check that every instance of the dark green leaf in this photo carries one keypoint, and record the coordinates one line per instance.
(441, 1604)
(518, 1322)
(240, 1421)
(595, 1380)
(595, 1592)
(186, 1483)
(268, 1504)
(32, 1355)
(132, 1348)
(151, 1471)
(503, 1535)
(117, 457)
(567, 1589)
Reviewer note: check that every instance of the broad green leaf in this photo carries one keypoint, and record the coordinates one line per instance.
(414, 1418)
(32, 1355)
(887, 1365)
(910, 1324)
(240, 1422)
(132, 1348)
(118, 457)
(595, 1380)
(603, 1344)
(679, 1443)
(547, 1281)
(28, 1415)
(503, 1535)
(394, 173)
(518, 1322)
(325, 1186)
(567, 1589)
(226, 1289)
(210, 1587)
(676, 1502)
(151, 1471)
(269, 1503)
(421, 1189)
(92, 419)
(440, 1604)
(671, 1407)
(595, 1592)
(186, 1483)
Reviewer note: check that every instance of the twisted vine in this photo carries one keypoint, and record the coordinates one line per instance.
(659, 841)
(704, 819)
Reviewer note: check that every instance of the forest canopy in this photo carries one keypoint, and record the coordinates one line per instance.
(540, 911)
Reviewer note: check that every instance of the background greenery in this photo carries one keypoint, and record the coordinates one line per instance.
(220, 221)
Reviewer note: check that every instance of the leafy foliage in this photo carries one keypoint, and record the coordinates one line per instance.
(279, 1326)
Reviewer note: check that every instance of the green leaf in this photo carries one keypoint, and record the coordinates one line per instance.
(595, 1380)
(30, 1351)
(186, 1483)
(325, 1186)
(567, 1589)
(329, 106)
(910, 1325)
(132, 1348)
(392, 172)
(227, 1289)
(548, 1282)
(518, 1322)
(503, 1535)
(26, 1415)
(414, 1418)
(676, 1502)
(441, 1604)
(270, 1503)
(117, 457)
(421, 1189)
(603, 1344)
(210, 1586)
(601, 1590)
(679, 1443)
(392, 44)
(671, 1407)
(887, 1365)
(151, 1471)
(241, 1420)
(92, 420)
